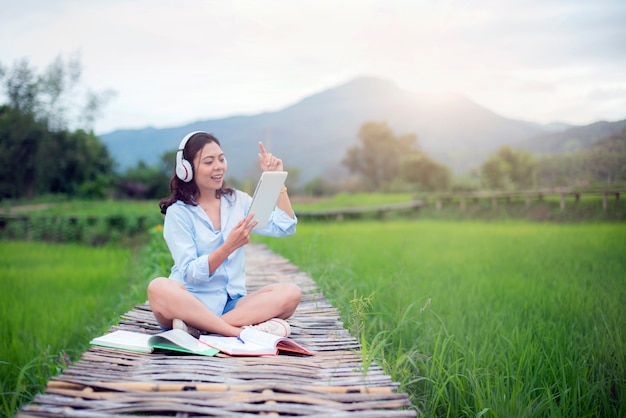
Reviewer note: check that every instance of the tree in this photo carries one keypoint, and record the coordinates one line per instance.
(377, 158)
(38, 153)
(20, 135)
(319, 186)
(607, 158)
(509, 169)
(51, 97)
(604, 162)
(429, 175)
(144, 182)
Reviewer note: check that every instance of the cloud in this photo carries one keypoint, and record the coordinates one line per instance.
(617, 92)
(173, 63)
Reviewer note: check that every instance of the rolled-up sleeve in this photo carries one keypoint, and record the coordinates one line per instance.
(280, 224)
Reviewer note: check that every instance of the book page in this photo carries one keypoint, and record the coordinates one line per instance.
(126, 340)
(174, 340)
(271, 340)
(179, 338)
(259, 337)
(234, 346)
(292, 346)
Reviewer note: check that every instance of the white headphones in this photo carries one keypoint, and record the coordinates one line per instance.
(184, 170)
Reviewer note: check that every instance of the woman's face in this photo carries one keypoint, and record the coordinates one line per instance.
(209, 167)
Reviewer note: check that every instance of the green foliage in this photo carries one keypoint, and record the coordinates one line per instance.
(426, 173)
(548, 208)
(97, 188)
(320, 186)
(20, 136)
(50, 97)
(354, 200)
(55, 298)
(509, 169)
(387, 162)
(88, 222)
(545, 209)
(482, 319)
(157, 257)
(376, 159)
(602, 164)
(38, 154)
(144, 182)
(86, 207)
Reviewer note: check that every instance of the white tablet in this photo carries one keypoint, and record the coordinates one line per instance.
(265, 196)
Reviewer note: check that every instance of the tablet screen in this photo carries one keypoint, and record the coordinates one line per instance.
(265, 196)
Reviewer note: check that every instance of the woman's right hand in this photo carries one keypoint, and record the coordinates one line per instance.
(240, 235)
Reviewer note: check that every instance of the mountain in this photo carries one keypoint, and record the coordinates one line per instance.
(572, 139)
(314, 134)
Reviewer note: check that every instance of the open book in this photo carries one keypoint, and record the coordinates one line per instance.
(172, 340)
(252, 342)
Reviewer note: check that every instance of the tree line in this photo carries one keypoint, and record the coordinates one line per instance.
(385, 161)
(47, 146)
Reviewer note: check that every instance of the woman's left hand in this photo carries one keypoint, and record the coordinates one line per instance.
(267, 161)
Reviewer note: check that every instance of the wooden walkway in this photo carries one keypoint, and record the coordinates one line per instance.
(333, 383)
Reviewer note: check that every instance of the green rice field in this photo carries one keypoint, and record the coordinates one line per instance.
(493, 319)
(54, 299)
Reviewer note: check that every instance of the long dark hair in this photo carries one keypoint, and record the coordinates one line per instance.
(187, 192)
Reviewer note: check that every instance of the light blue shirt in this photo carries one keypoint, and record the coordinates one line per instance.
(190, 236)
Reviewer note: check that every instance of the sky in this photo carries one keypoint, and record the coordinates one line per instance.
(174, 62)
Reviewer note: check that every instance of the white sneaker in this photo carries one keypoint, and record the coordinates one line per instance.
(274, 326)
(180, 324)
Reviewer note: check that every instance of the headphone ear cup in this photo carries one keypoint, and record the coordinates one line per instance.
(184, 171)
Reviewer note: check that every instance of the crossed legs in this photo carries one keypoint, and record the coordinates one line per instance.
(169, 299)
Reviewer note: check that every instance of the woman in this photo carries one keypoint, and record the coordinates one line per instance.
(206, 228)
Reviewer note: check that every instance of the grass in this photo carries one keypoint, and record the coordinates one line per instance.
(493, 319)
(351, 200)
(85, 207)
(54, 299)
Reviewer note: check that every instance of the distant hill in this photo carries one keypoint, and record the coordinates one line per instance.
(572, 139)
(315, 133)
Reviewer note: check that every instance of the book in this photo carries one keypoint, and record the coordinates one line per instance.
(252, 342)
(172, 340)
